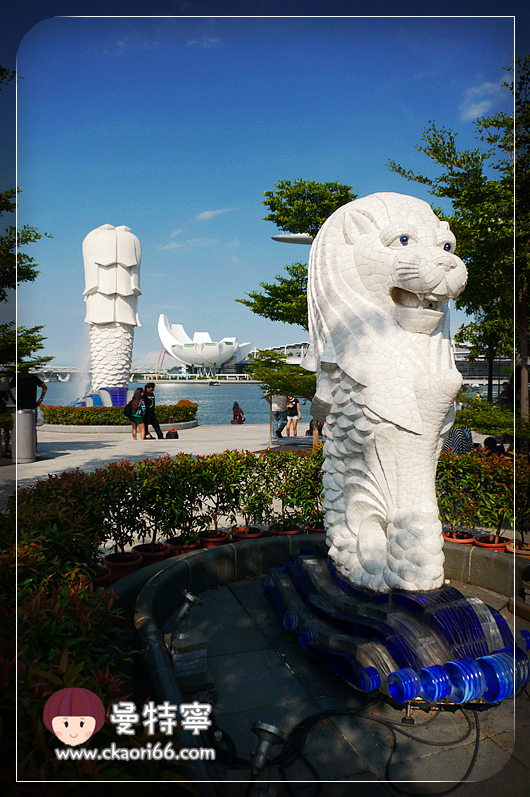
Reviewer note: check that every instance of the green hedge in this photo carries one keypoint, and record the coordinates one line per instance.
(113, 416)
(76, 511)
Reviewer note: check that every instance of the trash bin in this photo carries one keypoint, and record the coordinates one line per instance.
(24, 442)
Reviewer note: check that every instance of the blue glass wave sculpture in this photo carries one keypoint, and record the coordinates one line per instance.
(436, 645)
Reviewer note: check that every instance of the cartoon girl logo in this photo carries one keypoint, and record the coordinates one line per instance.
(73, 715)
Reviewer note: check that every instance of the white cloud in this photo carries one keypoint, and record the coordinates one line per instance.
(191, 243)
(175, 233)
(173, 245)
(478, 100)
(234, 244)
(210, 214)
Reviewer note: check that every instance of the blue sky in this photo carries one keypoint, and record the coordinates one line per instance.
(176, 126)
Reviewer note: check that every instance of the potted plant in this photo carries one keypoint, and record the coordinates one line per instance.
(153, 485)
(220, 496)
(522, 507)
(186, 491)
(248, 472)
(306, 490)
(454, 499)
(283, 514)
(120, 522)
(496, 506)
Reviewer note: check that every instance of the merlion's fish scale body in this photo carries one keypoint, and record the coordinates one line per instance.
(112, 257)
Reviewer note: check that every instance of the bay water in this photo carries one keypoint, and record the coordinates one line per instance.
(215, 402)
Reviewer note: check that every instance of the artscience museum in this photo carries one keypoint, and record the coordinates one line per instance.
(200, 352)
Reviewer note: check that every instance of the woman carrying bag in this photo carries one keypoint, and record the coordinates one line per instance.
(135, 411)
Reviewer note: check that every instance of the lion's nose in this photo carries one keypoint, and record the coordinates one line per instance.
(447, 263)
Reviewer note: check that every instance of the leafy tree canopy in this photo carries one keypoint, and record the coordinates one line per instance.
(17, 346)
(301, 206)
(284, 300)
(479, 183)
(304, 206)
(280, 378)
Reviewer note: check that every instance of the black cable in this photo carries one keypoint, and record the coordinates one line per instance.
(457, 785)
(293, 748)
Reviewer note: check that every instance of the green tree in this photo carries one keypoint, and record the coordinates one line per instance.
(18, 346)
(284, 300)
(480, 184)
(304, 206)
(281, 378)
(301, 206)
(521, 92)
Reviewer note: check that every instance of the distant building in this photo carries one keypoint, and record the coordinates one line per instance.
(201, 354)
(476, 371)
(295, 352)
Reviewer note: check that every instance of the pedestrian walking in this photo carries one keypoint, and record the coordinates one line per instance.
(279, 413)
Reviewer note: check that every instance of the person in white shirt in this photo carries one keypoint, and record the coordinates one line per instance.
(279, 413)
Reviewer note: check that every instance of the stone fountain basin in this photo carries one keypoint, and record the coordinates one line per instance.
(155, 591)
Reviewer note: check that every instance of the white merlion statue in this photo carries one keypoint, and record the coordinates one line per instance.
(381, 272)
(112, 258)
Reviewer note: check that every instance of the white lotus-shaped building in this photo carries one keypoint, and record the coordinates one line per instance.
(201, 351)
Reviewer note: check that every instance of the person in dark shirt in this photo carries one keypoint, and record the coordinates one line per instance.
(26, 391)
(26, 394)
(150, 415)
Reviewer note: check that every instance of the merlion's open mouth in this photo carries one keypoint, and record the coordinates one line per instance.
(405, 298)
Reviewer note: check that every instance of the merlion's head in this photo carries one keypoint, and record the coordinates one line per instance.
(401, 257)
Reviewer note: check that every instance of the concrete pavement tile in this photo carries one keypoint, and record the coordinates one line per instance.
(497, 719)
(325, 748)
(372, 738)
(230, 632)
(249, 593)
(517, 743)
(448, 766)
(255, 680)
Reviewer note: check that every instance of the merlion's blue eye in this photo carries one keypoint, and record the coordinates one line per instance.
(404, 240)
(447, 247)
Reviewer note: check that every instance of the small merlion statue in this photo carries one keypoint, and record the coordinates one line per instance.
(112, 257)
(381, 272)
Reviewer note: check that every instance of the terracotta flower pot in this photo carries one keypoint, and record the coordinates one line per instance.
(489, 542)
(311, 530)
(178, 547)
(460, 536)
(245, 533)
(213, 539)
(285, 528)
(121, 564)
(161, 551)
(102, 579)
(519, 549)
